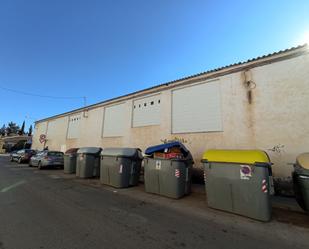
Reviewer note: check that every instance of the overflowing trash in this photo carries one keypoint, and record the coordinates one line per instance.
(168, 169)
(172, 150)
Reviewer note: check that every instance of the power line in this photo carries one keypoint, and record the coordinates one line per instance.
(40, 95)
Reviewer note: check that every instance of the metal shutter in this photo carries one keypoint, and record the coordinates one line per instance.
(197, 108)
(74, 126)
(55, 127)
(147, 111)
(114, 121)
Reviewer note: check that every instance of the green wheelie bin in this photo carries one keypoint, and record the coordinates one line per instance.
(120, 167)
(88, 162)
(70, 156)
(170, 177)
(301, 181)
(239, 181)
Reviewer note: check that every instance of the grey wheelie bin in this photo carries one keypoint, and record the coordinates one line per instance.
(120, 167)
(239, 181)
(301, 180)
(168, 177)
(88, 162)
(69, 166)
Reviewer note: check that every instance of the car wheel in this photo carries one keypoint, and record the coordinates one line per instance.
(29, 164)
(39, 165)
(19, 160)
(11, 159)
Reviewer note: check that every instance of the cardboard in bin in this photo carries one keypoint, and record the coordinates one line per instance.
(167, 148)
(173, 150)
(170, 155)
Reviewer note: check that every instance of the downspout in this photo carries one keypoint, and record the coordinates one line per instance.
(249, 86)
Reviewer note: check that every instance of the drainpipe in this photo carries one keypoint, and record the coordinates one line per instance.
(249, 85)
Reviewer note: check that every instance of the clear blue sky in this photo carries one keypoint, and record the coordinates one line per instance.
(105, 48)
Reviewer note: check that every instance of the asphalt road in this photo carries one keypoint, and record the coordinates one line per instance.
(39, 209)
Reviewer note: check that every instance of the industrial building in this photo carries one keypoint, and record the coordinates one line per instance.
(262, 103)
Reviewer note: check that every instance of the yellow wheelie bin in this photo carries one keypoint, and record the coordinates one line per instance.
(239, 181)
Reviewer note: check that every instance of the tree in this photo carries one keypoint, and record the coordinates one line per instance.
(22, 129)
(12, 128)
(30, 131)
(2, 130)
(19, 145)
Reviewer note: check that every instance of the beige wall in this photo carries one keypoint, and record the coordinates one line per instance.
(282, 110)
(276, 118)
(56, 138)
(39, 129)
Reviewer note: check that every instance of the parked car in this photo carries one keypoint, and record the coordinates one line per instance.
(22, 156)
(45, 159)
(12, 153)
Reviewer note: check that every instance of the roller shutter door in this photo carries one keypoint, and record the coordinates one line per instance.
(197, 108)
(114, 121)
(74, 127)
(147, 111)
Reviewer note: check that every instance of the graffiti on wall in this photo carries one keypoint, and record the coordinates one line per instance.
(278, 149)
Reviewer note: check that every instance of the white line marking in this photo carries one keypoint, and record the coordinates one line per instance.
(12, 186)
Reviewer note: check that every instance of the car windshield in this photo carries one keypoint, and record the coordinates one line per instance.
(55, 153)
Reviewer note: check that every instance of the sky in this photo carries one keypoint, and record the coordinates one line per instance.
(102, 49)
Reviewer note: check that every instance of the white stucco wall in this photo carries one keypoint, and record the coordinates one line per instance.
(39, 129)
(276, 121)
(281, 113)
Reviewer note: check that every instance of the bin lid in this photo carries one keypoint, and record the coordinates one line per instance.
(303, 160)
(122, 152)
(89, 150)
(72, 151)
(162, 147)
(236, 156)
